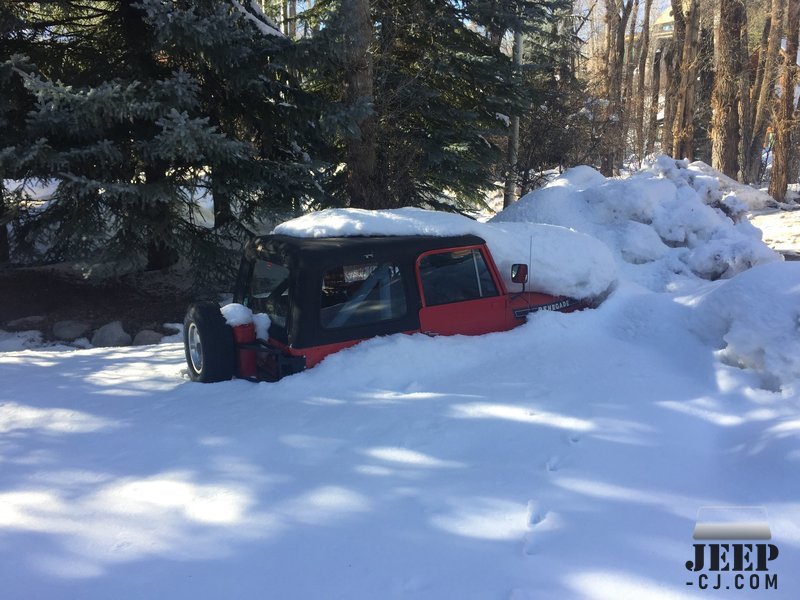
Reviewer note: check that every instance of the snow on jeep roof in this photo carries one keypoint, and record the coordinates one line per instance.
(563, 261)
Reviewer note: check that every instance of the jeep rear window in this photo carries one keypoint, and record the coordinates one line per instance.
(455, 276)
(269, 292)
(355, 295)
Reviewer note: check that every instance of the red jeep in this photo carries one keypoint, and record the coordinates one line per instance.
(326, 294)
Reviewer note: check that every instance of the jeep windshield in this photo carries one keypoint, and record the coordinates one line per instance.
(269, 293)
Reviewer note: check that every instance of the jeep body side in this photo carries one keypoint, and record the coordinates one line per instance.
(326, 294)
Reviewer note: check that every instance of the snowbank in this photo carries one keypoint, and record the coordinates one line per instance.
(755, 320)
(754, 199)
(563, 262)
(12, 341)
(664, 221)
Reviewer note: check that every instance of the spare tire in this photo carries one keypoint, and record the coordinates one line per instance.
(209, 345)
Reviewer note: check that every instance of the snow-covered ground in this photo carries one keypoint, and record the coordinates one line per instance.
(781, 230)
(565, 459)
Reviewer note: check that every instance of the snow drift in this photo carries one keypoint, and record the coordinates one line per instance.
(664, 222)
(754, 319)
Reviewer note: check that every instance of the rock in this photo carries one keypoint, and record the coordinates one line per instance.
(147, 337)
(69, 330)
(82, 342)
(111, 334)
(31, 322)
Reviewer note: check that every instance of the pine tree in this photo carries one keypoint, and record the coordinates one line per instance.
(439, 82)
(160, 105)
(555, 129)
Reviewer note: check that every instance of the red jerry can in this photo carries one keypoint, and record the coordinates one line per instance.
(245, 359)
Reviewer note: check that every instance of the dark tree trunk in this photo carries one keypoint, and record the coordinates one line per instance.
(683, 124)
(632, 49)
(763, 106)
(638, 111)
(745, 77)
(673, 61)
(161, 253)
(359, 89)
(783, 122)
(512, 155)
(705, 85)
(155, 212)
(5, 250)
(794, 162)
(618, 12)
(655, 93)
(725, 97)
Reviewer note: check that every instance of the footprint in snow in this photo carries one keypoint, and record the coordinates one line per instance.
(553, 464)
(533, 539)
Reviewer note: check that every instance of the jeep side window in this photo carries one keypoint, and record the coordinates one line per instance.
(455, 276)
(361, 294)
(269, 291)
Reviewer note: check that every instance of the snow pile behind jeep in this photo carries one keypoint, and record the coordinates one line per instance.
(669, 221)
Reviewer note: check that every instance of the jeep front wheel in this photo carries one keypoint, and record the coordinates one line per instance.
(208, 343)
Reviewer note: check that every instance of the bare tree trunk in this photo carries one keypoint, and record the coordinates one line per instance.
(631, 53)
(745, 77)
(673, 59)
(655, 93)
(638, 110)
(765, 92)
(705, 85)
(683, 125)
(794, 162)
(5, 250)
(359, 88)
(759, 75)
(291, 23)
(783, 122)
(610, 69)
(513, 139)
(725, 97)
(617, 14)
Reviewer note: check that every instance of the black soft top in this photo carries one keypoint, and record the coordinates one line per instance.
(309, 258)
(304, 252)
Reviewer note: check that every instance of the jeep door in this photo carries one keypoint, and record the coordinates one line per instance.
(460, 292)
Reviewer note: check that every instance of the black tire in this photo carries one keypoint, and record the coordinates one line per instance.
(208, 343)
